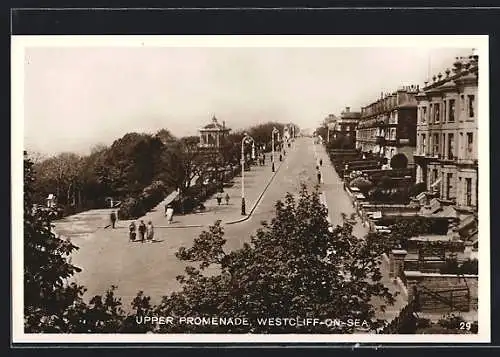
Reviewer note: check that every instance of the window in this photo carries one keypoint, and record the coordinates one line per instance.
(468, 192)
(470, 146)
(436, 145)
(461, 145)
(462, 102)
(445, 105)
(460, 197)
(451, 146)
(471, 105)
(436, 112)
(449, 185)
(443, 147)
(424, 114)
(424, 144)
(451, 110)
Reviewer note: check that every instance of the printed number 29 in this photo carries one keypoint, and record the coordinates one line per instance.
(465, 326)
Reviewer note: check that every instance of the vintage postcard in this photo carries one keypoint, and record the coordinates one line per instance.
(250, 189)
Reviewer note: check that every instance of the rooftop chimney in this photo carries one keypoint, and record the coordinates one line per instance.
(223, 124)
(347, 109)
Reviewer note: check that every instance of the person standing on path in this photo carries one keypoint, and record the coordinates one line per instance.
(320, 162)
(113, 219)
(169, 213)
(219, 198)
(132, 232)
(318, 174)
(150, 232)
(142, 231)
(227, 198)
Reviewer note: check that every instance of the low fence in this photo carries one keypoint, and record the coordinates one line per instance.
(442, 292)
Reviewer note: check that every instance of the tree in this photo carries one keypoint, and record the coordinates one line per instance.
(399, 161)
(363, 184)
(286, 270)
(60, 175)
(47, 296)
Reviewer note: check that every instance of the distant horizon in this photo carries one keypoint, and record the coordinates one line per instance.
(80, 97)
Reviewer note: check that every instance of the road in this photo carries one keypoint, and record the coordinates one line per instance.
(109, 259)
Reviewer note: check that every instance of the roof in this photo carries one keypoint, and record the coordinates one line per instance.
(215, 125)
(432, 238)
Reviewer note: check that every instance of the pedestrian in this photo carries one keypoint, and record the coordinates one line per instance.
(281, 157)
(320, 162)
(263, 159)
(142, 231)
(132, 231)
(150, 232)
(170, 214)
(113, 219)
(166, 210)
(219, 198)
(227, 198)
(318, 174)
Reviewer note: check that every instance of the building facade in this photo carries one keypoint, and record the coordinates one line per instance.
(345, 126)
(212, 135)
(388, 126)
(447, 134)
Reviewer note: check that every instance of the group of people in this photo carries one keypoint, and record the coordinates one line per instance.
(146, 232)
(262, 159)
(219, 198)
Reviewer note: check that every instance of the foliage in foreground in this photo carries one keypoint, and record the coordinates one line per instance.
(287, 270)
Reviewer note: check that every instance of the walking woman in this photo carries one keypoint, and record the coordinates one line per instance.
(150, 232)
(132, 232)
(170, 214)
(142, 231)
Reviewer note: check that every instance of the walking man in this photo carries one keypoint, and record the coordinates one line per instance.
(219, 198)
(227, 198)
(318, 174)
(142, 231)
(320, 162)
(113, 219)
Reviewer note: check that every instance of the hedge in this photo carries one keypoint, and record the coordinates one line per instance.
(135, 207)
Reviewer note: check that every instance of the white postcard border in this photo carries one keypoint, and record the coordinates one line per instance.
(20, 43)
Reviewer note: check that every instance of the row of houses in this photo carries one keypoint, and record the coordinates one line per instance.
(435, 126)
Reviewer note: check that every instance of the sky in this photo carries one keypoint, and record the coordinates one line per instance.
(78, 97)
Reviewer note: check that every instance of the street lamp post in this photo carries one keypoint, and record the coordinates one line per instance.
(246, 138)
(275, 131)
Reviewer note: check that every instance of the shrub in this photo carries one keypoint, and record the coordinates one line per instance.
(451, 266)
(131, 208)
(399, 161)
(417, 189)
(458, 323)
(363, 184)
(423, 323)
(385, 182)
(151, 195)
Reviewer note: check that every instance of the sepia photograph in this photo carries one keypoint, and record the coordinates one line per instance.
(250, 189)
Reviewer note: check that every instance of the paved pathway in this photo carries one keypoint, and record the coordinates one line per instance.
(108, 258)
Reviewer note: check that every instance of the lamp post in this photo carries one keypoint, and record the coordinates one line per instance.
(275, 131)
(245, 139)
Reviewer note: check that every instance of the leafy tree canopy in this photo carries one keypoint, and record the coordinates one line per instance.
(287, 270)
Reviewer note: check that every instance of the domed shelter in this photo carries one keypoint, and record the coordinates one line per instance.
(213, 134)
